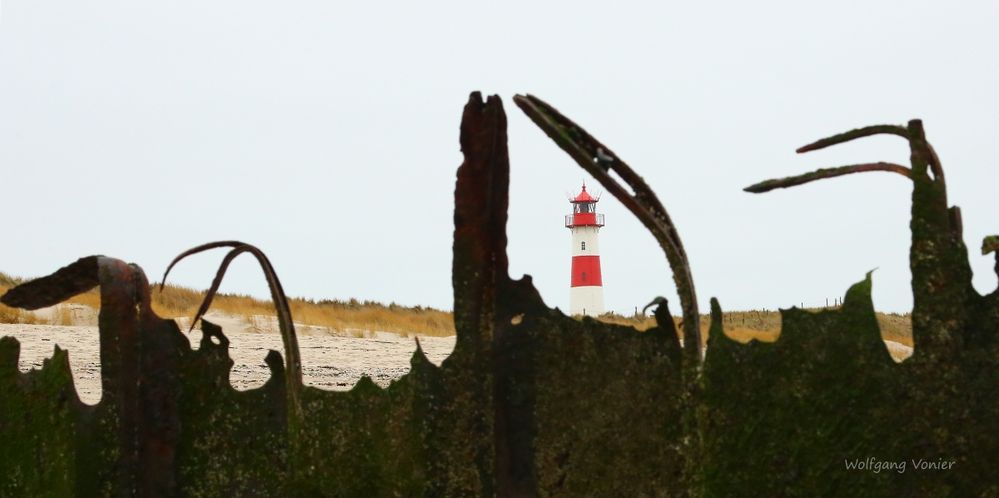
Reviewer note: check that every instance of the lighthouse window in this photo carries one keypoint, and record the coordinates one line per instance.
(583, 276)
(582, 245)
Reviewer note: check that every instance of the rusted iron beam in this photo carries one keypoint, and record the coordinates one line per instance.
(480, 279)
(64, 283)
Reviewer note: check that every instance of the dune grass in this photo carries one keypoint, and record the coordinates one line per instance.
(342, 316)
(764, 326)
(14, 315)
(360, 317)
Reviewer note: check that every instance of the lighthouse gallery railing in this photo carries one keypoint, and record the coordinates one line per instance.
(584, 219)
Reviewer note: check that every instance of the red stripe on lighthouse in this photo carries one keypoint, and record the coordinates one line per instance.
(586, 271)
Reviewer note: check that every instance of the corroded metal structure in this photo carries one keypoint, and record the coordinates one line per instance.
(531, 402)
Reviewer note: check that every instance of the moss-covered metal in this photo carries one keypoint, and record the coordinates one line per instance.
(531, 402)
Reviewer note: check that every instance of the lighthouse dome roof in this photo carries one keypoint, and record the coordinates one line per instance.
(584, 196)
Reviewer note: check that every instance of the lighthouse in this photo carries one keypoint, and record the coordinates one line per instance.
(586, 295)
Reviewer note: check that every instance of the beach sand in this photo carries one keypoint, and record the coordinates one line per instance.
(329, 361)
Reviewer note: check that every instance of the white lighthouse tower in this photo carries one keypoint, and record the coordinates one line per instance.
(586, 296)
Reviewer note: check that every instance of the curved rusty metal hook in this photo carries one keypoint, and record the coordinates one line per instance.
(823, 173)
(293, 362)
(913, 133)
(924, 160)
(597, 159)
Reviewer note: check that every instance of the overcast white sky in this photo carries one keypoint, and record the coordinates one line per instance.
(327, 134)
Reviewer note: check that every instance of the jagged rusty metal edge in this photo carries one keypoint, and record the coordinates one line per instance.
(990, 245)
(286, 325)
(139, 357)
(955, 332)
(943, 294)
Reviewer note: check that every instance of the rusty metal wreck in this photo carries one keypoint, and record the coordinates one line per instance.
(532, 402)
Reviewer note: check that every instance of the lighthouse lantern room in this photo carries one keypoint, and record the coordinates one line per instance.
(586, 294)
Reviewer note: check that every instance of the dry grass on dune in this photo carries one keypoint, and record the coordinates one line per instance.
(341, 316)
(765, 325)
(741, 333)
(352, 315)
(14, 315)
(744, 326)
(8, 281)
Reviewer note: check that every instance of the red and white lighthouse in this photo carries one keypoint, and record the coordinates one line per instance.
(586, 296)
